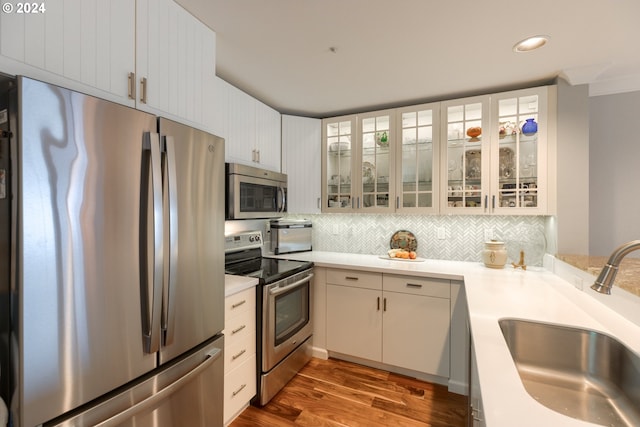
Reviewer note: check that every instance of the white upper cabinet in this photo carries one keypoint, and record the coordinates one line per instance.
(498, 152)
(253, 131)
(359, 163)
(148, 54)
(521, 142)
(418, 159)
(301, 148)
(175, 63)
(85, 45)
(465, 143)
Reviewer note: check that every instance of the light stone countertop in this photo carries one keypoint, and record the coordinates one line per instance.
(235, 284)
(628, 277)
(535, 294)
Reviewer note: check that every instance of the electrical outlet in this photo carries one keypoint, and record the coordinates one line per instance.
(440, 233)
(577, 282)
(488, 234)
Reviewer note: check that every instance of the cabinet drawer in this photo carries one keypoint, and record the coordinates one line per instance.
(356, 279)
(239, 388)
(239, 351)
(238, 327)
(240, 303)
(440, 288)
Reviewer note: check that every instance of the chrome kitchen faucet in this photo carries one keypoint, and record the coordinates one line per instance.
(604, 282)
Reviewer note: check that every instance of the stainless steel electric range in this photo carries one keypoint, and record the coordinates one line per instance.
(283, 311)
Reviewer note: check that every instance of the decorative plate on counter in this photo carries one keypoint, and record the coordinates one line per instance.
(402, 259)
(403, 239)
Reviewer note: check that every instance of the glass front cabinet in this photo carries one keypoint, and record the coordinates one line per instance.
(418, 159)
(465, 160)
(359, 162)
(338, 147)
(495, 153)
(480, 155)
(519, 151)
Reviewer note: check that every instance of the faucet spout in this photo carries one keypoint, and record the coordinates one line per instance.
(604, 282)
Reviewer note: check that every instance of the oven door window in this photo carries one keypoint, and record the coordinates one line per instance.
(292, 312)
(258, 197)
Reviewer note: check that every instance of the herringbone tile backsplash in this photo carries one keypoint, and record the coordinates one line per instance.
(464, 235)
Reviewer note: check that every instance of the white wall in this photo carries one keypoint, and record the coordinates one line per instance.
(572, 169)
(614, 207)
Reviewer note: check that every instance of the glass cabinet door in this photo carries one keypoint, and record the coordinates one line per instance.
(418, 159)
(466, 156)
(339, 143)
(376, 155)
(516, 158)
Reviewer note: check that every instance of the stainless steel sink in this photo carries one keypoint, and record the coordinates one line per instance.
(576, 372)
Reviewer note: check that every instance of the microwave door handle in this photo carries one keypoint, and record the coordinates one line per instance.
(280, 199)
(278, 291)
(171, 224)
(284, 199)
(151, 249)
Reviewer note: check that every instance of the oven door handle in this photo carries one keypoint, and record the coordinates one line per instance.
(279, 290)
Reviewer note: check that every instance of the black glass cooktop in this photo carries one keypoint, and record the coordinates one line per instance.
(268, 270)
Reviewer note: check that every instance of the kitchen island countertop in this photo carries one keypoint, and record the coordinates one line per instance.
(535, 294)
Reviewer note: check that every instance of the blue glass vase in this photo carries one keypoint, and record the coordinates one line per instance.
(530, 127)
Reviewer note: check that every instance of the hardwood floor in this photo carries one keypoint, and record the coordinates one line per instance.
(330, 393)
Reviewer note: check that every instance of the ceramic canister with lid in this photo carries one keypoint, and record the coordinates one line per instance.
(494, 254)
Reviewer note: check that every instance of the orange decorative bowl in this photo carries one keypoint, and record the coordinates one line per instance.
(474, 132)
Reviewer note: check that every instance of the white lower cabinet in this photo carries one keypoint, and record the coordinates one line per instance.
(397, 320)
(475, 398)
(239, 352)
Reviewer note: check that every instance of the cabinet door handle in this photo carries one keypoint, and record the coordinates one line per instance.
(486, 202)
(414, 285)
(235, 393)
(378, 306)
(384, 304)
(238, 304)
(143, 90)
(493, 202)
(131, 85)
(235, 356)
(318, 202)
(235, 331)
(397, 202)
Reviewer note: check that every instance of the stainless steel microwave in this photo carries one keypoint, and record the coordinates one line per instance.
(254, 192)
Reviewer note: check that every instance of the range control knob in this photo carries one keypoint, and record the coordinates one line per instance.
(257, 237)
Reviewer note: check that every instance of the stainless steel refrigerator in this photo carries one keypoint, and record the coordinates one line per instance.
(113, 297)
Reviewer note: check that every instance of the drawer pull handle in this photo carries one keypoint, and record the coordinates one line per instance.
(235, 331)
(238, 304)
(235, 393)
(235, 356)
(414, 285)
(350, 278)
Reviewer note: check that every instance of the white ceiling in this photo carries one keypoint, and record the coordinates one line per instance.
(399, 52)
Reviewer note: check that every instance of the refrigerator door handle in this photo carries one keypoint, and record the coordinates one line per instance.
(151, 249)
(158, 397)
(171, 211)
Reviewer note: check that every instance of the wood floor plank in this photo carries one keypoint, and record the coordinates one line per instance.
(335, 393)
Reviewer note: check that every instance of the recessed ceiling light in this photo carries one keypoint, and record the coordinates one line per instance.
(530, 43)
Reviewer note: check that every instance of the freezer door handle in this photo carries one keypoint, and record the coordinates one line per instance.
(151, 242)
(171, 231)
(157, 398)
